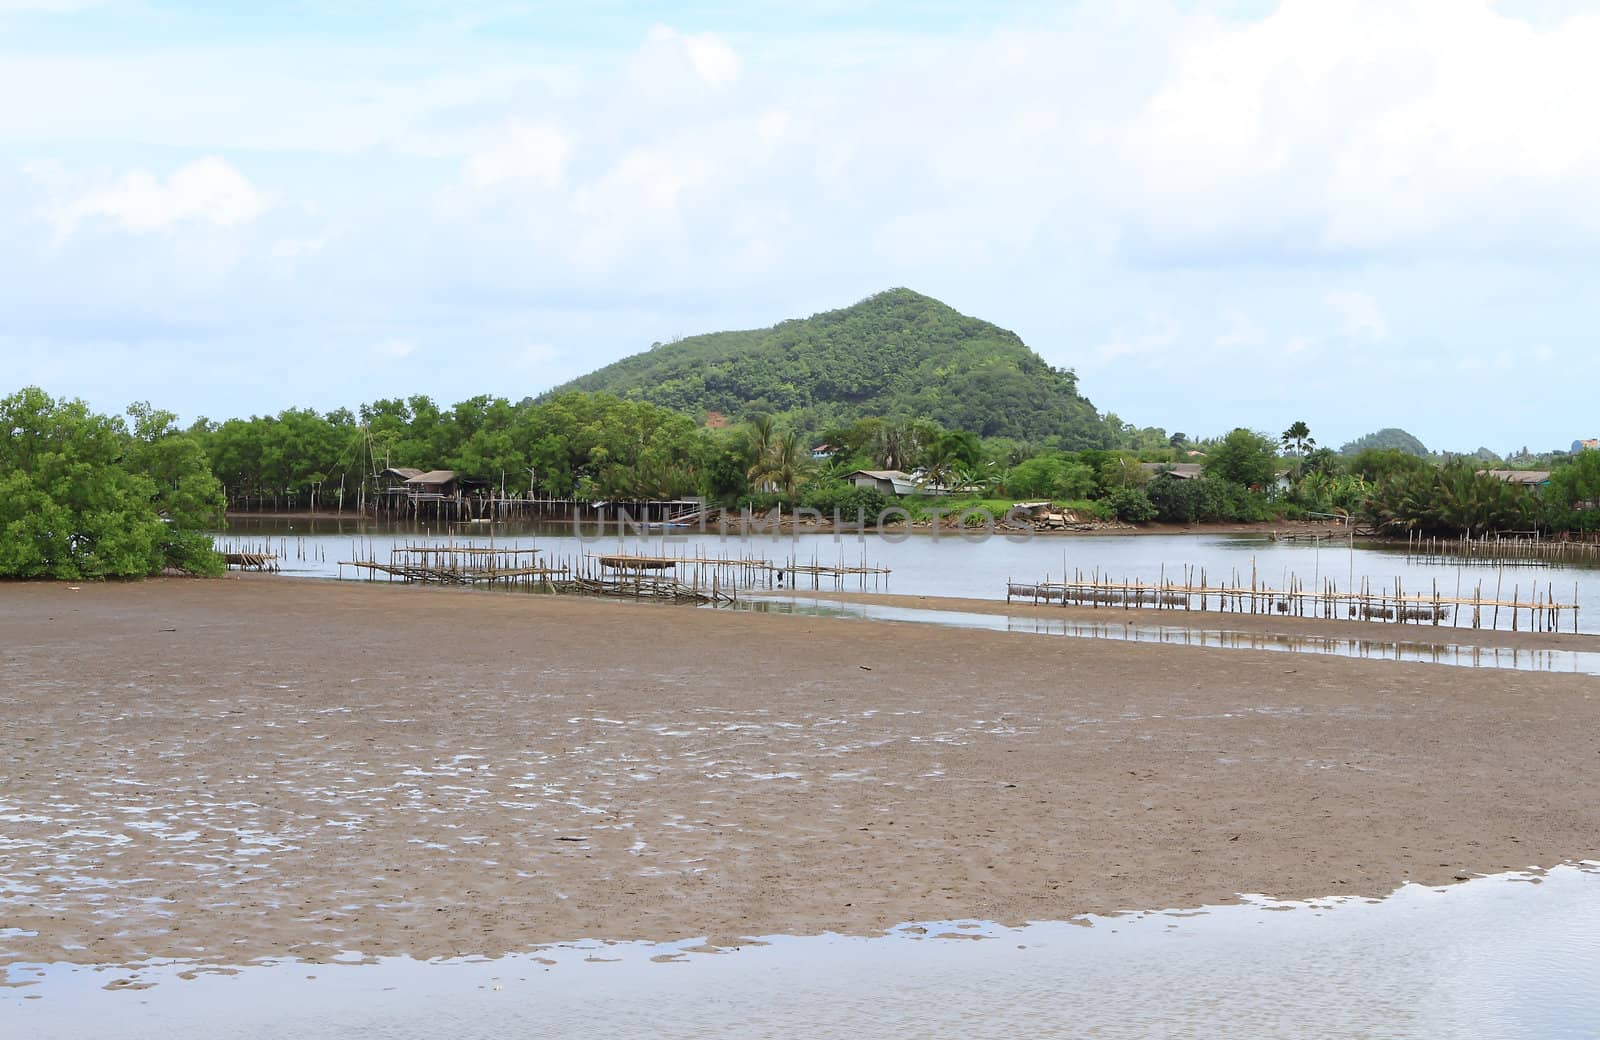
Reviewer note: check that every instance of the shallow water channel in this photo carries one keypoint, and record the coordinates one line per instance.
(1511, 956)
(1419, 650)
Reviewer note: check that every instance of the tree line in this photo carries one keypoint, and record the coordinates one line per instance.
(85, 495)
(596, 446)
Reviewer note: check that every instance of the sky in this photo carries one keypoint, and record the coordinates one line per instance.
(1356, 213)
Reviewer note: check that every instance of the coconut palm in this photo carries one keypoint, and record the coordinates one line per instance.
(783, 465)
(762, 431)
(888, 445)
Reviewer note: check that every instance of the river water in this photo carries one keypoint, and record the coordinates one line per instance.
(951, 565)
(1511, 957)
(1430, 645)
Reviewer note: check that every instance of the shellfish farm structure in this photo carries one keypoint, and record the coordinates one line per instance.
(1537, 611)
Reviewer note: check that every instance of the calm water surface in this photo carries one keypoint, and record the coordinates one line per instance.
(950, 565)
(1514, 956)
(1419, 650)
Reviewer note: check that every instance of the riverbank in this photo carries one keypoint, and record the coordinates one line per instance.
(246, 767)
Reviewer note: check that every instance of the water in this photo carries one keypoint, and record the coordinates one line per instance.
(1464, 655)
(950, 565)
(1514, 956)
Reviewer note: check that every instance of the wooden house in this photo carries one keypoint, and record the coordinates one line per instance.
(432, 486)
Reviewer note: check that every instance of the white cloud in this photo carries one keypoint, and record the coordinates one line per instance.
(1368, 125)
(1150, 347)
(393, 349)
(535, 153)
(712, 58)
(47, 6)
(1240, 331)
(534, 357)
(772, 125)
(667, 55)
(1360, 315)
(294, 248)
(207, 190)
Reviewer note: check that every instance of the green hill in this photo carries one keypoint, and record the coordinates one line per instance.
(1388, 437)
(896, 355)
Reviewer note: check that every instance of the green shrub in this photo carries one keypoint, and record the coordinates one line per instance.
(1131, 505)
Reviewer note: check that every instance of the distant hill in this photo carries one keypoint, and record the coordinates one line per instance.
(1389, 437)
(897, 355)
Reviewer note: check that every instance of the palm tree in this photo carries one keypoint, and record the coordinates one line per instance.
(759, 436)
(762, 432)
(783, 465)
(888, 445)
(1298, 437)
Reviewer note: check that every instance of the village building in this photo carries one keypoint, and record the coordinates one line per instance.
(432, 486)
(888, 481)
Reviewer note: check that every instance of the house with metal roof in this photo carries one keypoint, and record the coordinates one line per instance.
(888, 481)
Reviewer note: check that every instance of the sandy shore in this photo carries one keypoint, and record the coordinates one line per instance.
(249, 767)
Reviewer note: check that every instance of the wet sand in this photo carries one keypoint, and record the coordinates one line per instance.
(223, 770)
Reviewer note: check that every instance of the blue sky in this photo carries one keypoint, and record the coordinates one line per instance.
(1360, 213)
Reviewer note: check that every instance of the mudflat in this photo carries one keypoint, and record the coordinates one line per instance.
(246, 767)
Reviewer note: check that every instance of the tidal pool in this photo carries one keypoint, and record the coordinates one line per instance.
(1510, 956)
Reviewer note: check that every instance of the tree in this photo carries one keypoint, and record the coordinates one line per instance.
(1322, 460)
(762, 434)
(783, 465)
(1451, 499)
(950, 456)
(81, 497)
(1378, 464)
(1243, 457)
(1297, 438)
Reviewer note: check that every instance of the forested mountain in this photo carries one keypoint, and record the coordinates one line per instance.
(898, 355)
(1388, 437)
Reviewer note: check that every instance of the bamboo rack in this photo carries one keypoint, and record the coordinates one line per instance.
(1539, 611)
(1528, 550)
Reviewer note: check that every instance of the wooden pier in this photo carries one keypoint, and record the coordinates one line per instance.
(1538, 611)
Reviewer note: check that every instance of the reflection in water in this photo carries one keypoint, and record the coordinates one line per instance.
(1575, 661)
(1513, 956)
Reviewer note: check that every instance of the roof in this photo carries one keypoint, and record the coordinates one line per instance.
(899, 482)
(1518, 476)
(1180, 470)
(433, 476)
(403, 472)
